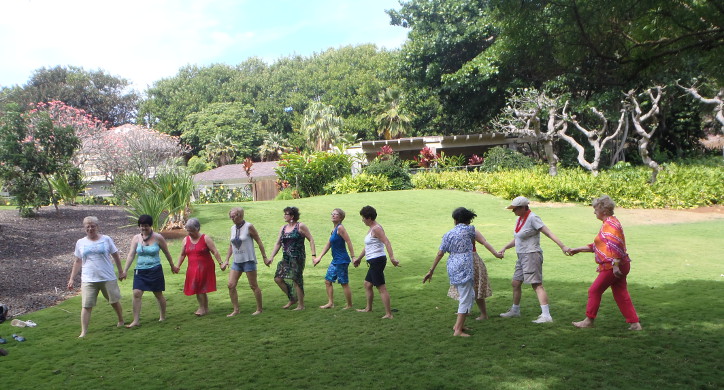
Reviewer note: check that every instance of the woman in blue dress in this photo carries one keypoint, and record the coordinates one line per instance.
(338, 269)
(148, 274)
(458, 242)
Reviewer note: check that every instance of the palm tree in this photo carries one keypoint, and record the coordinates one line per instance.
(320, 125)
(392, 123)
(273, 147)
(221, 150)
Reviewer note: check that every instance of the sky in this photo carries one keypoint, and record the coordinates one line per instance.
(146, 40)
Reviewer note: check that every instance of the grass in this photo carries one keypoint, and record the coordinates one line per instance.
(675, 284)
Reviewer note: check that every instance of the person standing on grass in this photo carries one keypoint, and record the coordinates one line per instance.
(338, 269)
(375, 244)
(529, 267)
(459, 243)
(200, 274)
(614, 265)
(289, 275)
(148, 274)
(241, 245)
(93, 254)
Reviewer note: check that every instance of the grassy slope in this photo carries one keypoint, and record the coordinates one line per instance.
(675, 285)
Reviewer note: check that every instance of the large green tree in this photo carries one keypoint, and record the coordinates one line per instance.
(104, 96)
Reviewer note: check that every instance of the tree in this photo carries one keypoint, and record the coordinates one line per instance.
(101, 95)
(641, 121)
(32, 149)
(391, 123)
(273, 147)
(717, 102)
(596, 137)
(221, 150)
(320, 126)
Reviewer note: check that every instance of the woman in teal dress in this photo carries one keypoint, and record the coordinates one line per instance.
(289, 274)
(148, 274)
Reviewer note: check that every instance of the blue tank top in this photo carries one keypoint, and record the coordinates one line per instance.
(339, 252)
(148, 256)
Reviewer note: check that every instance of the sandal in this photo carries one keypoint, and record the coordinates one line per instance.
(30, 324)
(3, 341)
(18, 338)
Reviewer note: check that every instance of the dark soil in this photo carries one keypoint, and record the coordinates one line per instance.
(36, 254)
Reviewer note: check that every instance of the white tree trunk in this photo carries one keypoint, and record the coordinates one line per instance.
(639, 120)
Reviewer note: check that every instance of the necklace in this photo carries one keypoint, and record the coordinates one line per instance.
(521, 221)
(147, 238)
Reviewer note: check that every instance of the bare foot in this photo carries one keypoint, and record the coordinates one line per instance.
(635, 326)
(133, 324)
(482, 317)
(256, 312)
(120, 324)
(233, 313)
(347, 307)
(81, 335)
(387, 316)
(461, 334)
(200, 313)
(327, 306)
(587, 323)
(289, 304)
(161, 319)
(365, 310)
(299, 307)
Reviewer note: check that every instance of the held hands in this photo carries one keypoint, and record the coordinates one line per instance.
(316, 260)
(267, 261)
(498, 255)
(356, 262)
(122, 275)
(224, 265)
(567, 251)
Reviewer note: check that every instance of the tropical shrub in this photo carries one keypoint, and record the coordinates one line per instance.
(393, 170)
(223, 194)
(127, 186)
(198, 164)
(150, 202)
(309, 173)
(363, 182)
(68, 185)
(500, 158)
(175, 187)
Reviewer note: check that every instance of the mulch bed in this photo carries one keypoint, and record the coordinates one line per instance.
(36, 254)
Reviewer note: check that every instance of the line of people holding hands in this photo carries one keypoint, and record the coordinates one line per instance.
(95, 255)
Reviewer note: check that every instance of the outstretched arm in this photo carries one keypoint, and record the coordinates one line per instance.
(428, 275)
(479, 238)
(545, 230)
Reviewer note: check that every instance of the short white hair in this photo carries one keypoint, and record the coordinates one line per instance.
(90, 219)
(604, 203)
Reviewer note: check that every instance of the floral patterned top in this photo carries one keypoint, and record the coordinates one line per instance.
(609, 244)
(458, 242)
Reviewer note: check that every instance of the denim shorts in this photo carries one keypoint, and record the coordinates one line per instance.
(246, 266)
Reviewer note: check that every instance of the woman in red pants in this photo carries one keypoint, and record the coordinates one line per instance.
(614, 264)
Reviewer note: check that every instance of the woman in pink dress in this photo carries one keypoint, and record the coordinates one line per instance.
(200, 275)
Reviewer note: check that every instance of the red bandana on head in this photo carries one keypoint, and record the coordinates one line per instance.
(521, 221)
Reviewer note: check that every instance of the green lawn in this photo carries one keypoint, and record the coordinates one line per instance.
(676, 285)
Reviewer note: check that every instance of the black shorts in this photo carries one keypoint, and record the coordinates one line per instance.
(376, 273)
(150, 279)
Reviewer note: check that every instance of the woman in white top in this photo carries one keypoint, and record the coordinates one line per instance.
(375, 244)
(93, 255)
(242, 247)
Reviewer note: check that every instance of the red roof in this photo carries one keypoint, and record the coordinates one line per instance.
(236, 172)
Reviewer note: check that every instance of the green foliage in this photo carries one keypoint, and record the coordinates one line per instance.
(175, 186)
(149, 202)
(197, 164)
(392, 169)
(285, 194)
(448, 162)
(224, 194)
(69, 185)
(128, 186)
(320, 126)
(500, 158)
(678, 186)
(309, 173)
(363, 182)
(32, 149)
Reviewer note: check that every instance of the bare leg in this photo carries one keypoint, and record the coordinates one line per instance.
(347, 295)
(203, 300)
(119, 313)
(459, 329)
(251, 276)
(300, 297)
(330, 295)
(137, 301)
(233, 294)
(517, 291)
(285, 288)
(541, 292)
(85, 315)
(586, 323)
(369, 295)
(161, 305)
(385, 297)
(483, 311)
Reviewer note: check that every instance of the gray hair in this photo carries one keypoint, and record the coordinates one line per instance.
(193, 223)
(90, 219)
(604, 203)
(236, 210)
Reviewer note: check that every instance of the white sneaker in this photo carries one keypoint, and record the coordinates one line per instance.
(542, 319)
(510, 313)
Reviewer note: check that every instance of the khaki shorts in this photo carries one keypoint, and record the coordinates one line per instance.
(109, 289)
(529, 268)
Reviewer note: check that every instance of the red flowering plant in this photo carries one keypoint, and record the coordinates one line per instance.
(475, 160)
(385, 152)
(426, 158)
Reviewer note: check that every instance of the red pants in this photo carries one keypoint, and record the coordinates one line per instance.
(605, 280)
